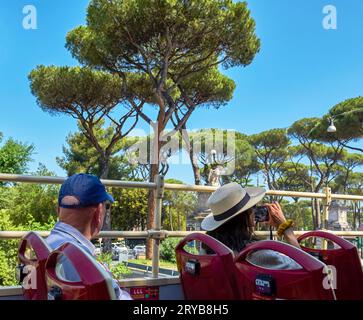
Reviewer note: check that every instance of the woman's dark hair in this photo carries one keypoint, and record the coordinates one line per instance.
(235, 233)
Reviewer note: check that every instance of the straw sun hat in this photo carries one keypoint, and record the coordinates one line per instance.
(228, 201)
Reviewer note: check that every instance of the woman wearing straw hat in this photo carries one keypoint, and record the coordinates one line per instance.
(232, 222)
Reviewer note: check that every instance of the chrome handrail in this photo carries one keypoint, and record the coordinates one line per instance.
(7, 235)
(169, 186)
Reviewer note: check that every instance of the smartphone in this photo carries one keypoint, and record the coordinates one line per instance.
(261, 214)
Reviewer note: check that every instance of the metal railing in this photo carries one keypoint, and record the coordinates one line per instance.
(157, 234)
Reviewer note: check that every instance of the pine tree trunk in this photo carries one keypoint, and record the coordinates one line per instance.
(151, 209)
(313, 214)
(318, 214)
(193, 158)
(106, 242)
(196, 170)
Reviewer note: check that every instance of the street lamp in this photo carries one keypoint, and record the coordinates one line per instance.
(332, 128)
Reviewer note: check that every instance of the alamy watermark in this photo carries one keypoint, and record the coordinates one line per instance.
(217, 146)
(30, 18)
(28, 277)
(330, 20)
(330, 280)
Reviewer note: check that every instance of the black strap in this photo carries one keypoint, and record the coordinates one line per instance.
(271, 236)
(229, 213)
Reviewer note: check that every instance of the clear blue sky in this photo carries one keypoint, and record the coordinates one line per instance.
(301, 71)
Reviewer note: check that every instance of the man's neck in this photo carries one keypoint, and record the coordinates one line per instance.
(81, 229)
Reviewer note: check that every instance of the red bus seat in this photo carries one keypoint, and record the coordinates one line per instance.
(206, 277)
(93, 282)
(345, 259)
(32, 253)
(306, 283)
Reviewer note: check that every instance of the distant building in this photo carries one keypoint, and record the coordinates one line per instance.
(338, 217)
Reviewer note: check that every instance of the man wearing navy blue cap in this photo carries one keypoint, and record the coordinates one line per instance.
(82, 205)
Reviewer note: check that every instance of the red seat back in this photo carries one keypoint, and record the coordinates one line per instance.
(256, 282)
(33, 253)
(94, 282)
(349, 274)
(207, 277)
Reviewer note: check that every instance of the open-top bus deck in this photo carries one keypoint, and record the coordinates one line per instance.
(156, 287)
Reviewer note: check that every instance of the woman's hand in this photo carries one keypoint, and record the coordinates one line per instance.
(276, 218)
(276, 215)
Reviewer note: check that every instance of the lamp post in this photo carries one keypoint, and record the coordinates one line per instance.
(332, 128)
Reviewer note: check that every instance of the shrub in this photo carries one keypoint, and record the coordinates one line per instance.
(167, 249)
(120, 271)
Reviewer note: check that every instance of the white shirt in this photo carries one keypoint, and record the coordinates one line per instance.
(270, 259)
(63, 233)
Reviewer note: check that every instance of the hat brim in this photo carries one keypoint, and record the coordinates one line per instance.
(256, 195)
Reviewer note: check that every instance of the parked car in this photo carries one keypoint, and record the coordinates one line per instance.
(98, 250)
(139, 250)
(119, 249)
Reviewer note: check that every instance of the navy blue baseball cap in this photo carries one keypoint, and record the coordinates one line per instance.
(87, 188)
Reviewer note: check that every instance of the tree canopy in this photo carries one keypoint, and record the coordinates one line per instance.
(81, 156)
(348, 120)
(14, 156)
(176, 46)
(271, 150)
(90, 96)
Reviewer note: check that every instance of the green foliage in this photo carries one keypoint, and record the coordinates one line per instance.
(7, 272)
(81, 156)
(167, 249)
(348, 119)
(69, 89)
(176, 50)
(302, 130)
(129, 210)
(177, 206)
(8, 252)
(209, 87)
(345, 168)
(349, 115)
(89, 96)
(106, 258)
(271, 149)
(148, 262)
(300, 213)
(270, 140)
(245, 162)
(9, 248)
(14, 156)
(353, 184)
(24, 207)
(322, 156)
(199, 27)
(293, 176)
(34, 205)
(119, 271)
(5, 197)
